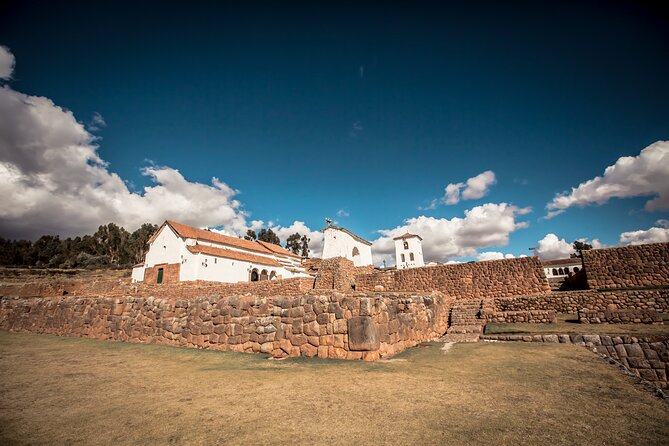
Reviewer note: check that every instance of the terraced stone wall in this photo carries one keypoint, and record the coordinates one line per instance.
(571, 302)
(328, 326)
(627, 266)
(478, 280)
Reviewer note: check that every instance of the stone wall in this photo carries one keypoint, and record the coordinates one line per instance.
(170, 273)
(528, 317)
(477, 280)
(615, 316)
(327, 326)
(339, 273)
(646, 358)
(46, 286)
(627, 266)
(571, 302)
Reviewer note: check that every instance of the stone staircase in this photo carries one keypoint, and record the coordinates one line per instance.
(465, 323)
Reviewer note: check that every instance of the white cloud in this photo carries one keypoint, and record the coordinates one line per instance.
(493, 255)
(6, 63)
(443, 239)
(315, 237)
(631, 176)
(53, 181)
(97, 122)
(475, 188)
(342, 213)
(656, 234)
(551, 247)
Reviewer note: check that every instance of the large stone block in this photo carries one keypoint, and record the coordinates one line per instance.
(362, 334)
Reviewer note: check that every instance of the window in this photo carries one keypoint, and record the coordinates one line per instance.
(403, 260)
(356, 251)
(406, 244)
(566, 270)
(576, 269)
(159, 279)
(555, 272)
(411, 256)
(560, 272)
(254, 275)
(215, 260)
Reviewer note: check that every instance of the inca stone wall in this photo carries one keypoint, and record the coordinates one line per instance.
(339, 273)
(327, 326)
(646, 358)
(46, 286)
(478, 280)
(528, 317)
(627, 266)
(571, 302)
(615, 316)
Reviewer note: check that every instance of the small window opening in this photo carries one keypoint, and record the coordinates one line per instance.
(411, 256)
(403, 259)
(406, 244)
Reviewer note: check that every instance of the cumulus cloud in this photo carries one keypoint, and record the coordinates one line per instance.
(551, 247)
(656, 234)
(315, 237)
(474, 188)
(342, 213)
(53, 181)
(443, 239)
(6, 63)
(493, 255)
(645, 175)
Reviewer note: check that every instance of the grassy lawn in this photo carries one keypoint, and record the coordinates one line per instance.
(77, 391)
(567, 324)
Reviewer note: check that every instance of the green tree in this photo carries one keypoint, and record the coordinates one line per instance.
(305, 246)
(137, 244)
(579, 247)
(250, 235)
(293, 243)
(267, 235)
(111, 240)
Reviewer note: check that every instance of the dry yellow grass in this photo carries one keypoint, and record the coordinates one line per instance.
(78, 391)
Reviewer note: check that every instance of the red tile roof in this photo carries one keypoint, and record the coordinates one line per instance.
(408, 235)
(234, 255)
(280, 250)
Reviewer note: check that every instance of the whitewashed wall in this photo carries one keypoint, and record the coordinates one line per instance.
(415, 247)
(339, 244)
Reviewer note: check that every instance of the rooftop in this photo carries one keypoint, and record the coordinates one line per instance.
(408, 235)
(356, 237)
(570, 261)
(234, 255)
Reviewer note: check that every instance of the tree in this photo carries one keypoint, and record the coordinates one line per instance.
(267, 235)
(579, 247)
(138, 243)
(111, 240)
(293, 243)
(305, 246)
(250, 235)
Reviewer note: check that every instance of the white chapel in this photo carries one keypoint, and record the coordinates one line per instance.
(408, 251)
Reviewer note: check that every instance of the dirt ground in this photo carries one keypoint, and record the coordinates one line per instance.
(77, 391)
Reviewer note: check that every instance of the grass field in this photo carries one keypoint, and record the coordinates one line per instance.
(78, 391)
(568, 324)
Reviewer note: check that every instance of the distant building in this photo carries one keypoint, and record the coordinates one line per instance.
(408, 251)
(340, 242)
(178, 253)
(562, 267)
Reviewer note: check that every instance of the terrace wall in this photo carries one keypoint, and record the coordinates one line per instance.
(327, 326)
(479, 280)
(571, 302)
(627, 266)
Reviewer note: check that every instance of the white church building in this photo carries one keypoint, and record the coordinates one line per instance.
(340, 242)
(178, 252)
(408, 251)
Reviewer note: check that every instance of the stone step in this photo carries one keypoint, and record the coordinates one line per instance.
(460, 337)
(465, 329)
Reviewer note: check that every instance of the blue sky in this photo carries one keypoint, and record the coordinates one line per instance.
(310, 109)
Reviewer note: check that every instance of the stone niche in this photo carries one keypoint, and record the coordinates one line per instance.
(362, 334)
